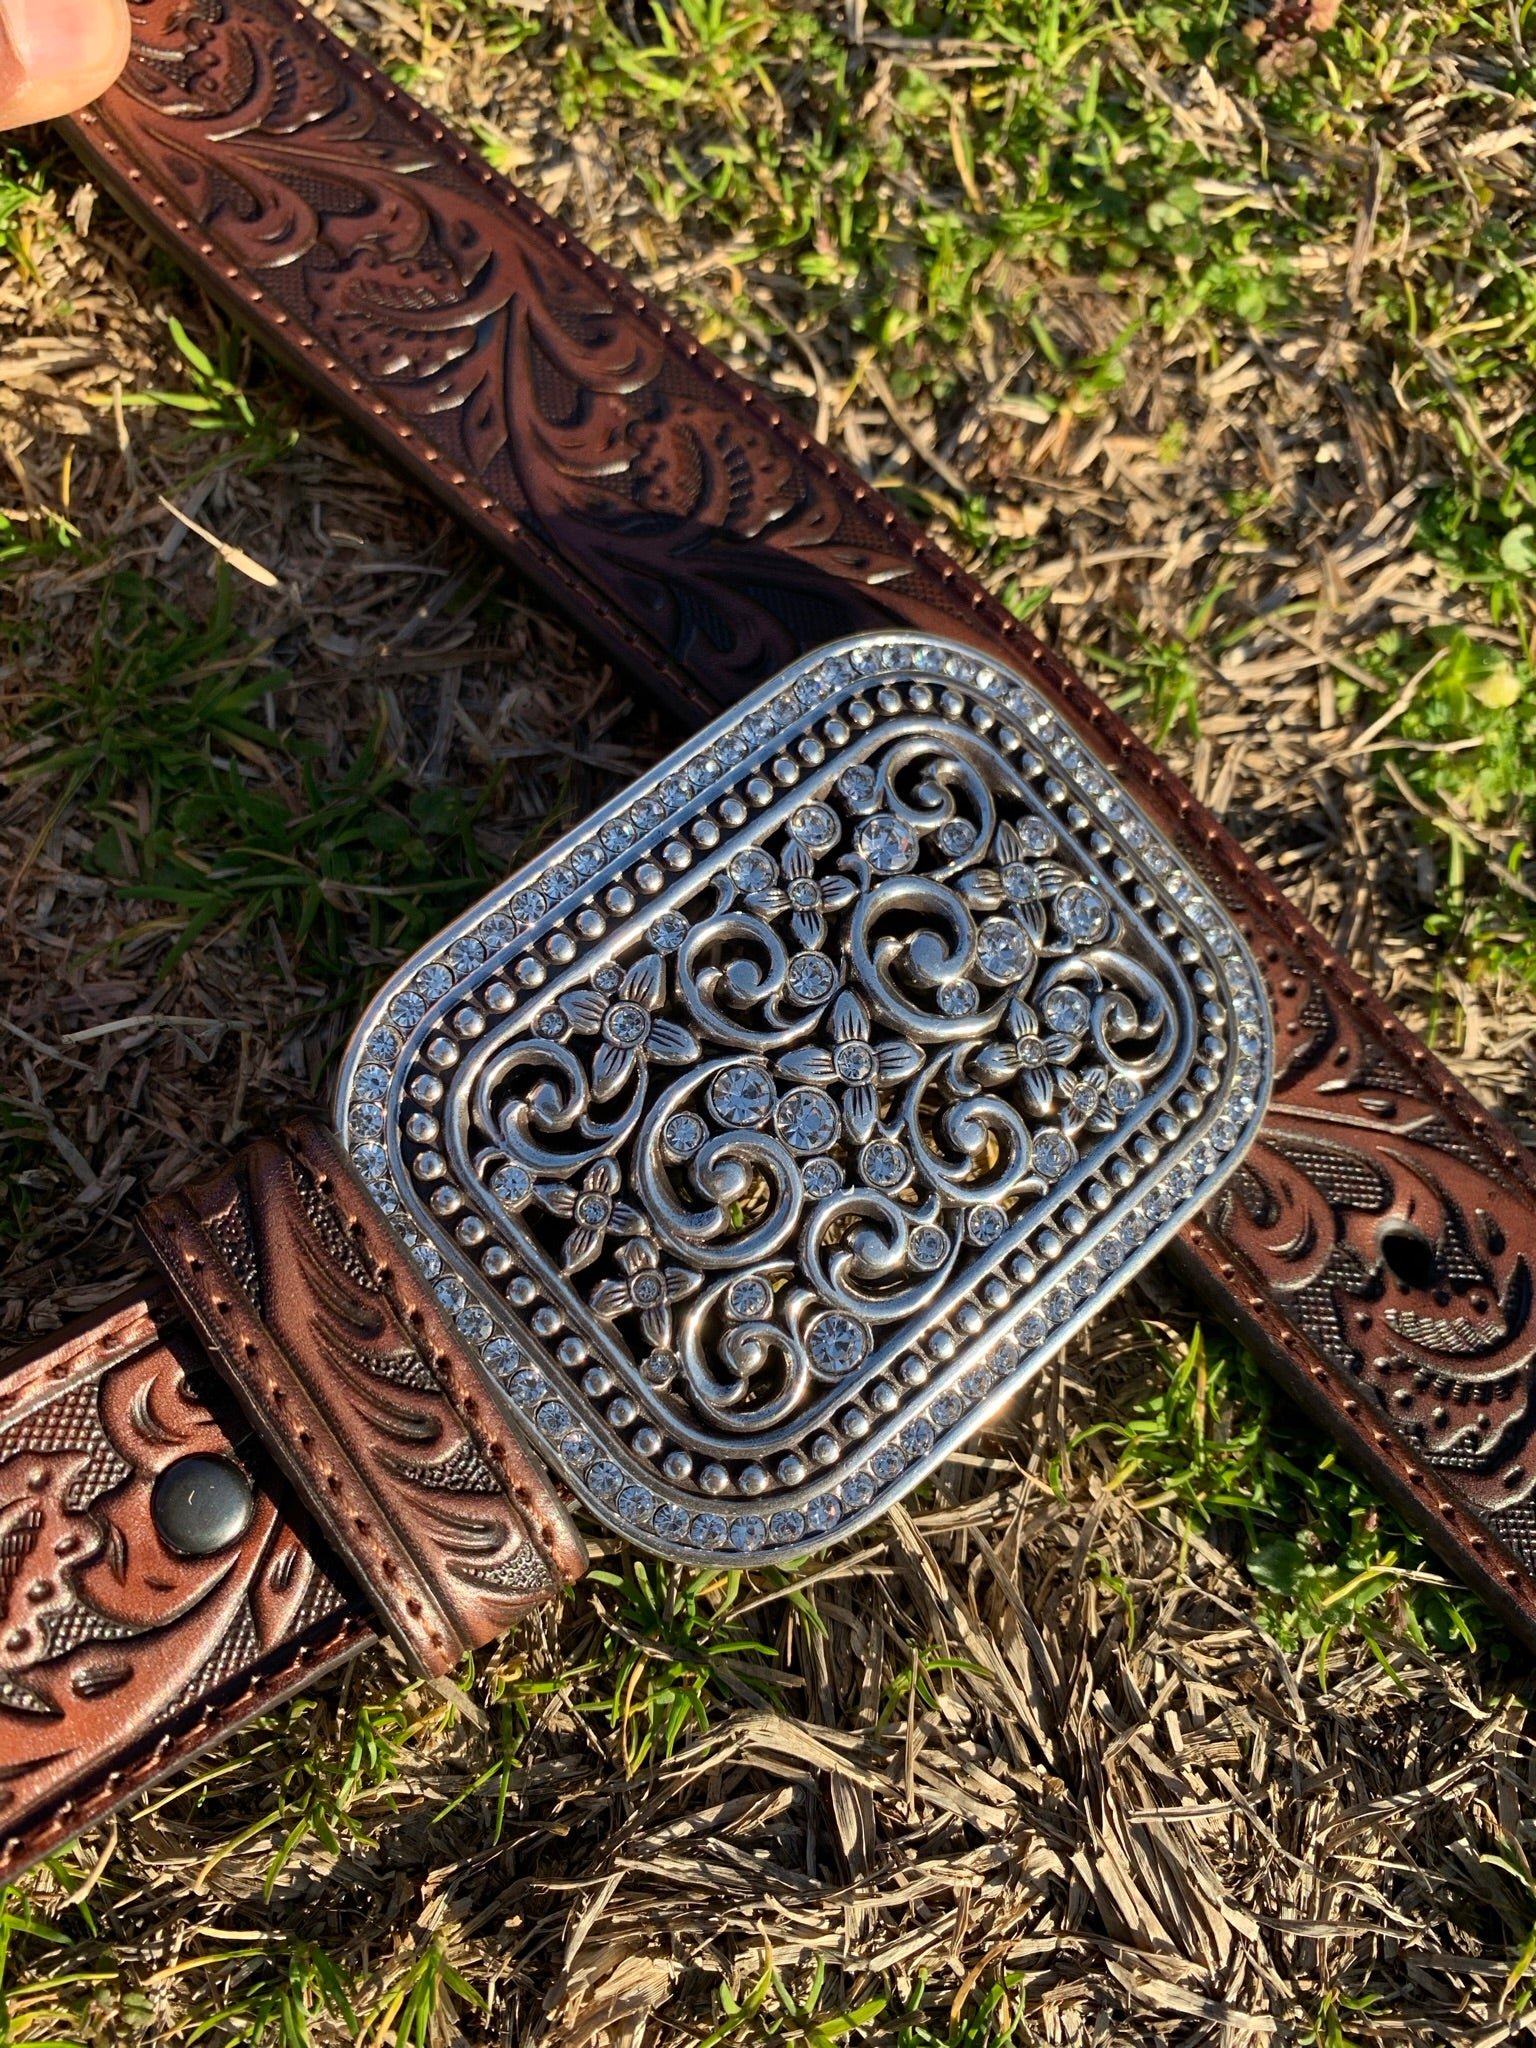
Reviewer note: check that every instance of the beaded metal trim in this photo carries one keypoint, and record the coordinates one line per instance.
(769, 1131)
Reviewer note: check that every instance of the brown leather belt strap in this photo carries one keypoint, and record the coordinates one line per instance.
(160, 1580)
(386, 1426)
(1377, 1247)
(121, 1657)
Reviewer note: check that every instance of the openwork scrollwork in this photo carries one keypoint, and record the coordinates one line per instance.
(737, 1125)
(875, 1037)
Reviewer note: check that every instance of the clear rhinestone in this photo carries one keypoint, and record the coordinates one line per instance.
(511, 1185)
(1066, 1010)
(741, 1096)
(986, 1224)
(749, 1300)
(1053, 1154)
(1082, 914)
(928, 1247)
(959, 999)
(752, 869)
(816, 827)
(577, 1450)
(810, 978)
(820, 1178)
(885, 1165)
(684, 1133)
(807, 1120)
(888, 844)
(917, 1439)
(835, 1343)
(1003, 949)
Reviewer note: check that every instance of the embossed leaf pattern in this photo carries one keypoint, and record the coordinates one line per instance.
(854, 1066)
(647, 1290)
(629, 1026)
(595, 1211)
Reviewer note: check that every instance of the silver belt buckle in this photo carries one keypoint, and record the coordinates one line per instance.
(768, 1132)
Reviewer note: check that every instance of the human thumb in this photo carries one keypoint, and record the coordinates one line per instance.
(58, 55)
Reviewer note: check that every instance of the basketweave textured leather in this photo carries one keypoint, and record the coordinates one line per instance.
(1377, 1246)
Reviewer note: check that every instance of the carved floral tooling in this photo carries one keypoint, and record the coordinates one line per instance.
(115, 1650)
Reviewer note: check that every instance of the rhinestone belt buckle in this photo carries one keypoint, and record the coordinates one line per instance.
(769, 1131)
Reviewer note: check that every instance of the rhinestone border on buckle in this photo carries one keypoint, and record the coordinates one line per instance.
(533, 973)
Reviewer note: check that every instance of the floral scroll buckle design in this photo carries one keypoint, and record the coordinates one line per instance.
(766, 1133)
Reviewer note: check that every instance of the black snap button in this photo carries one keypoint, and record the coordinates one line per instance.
(201, 1505)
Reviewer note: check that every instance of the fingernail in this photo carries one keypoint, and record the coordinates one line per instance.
(53, 38)
(59, 52)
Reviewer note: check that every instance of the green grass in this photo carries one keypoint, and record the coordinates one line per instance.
(674, 1655)
(216, 821)
(215, 398)
(940, 237)
(1208, 1436)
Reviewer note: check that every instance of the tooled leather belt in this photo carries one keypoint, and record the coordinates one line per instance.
(746, 1152)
